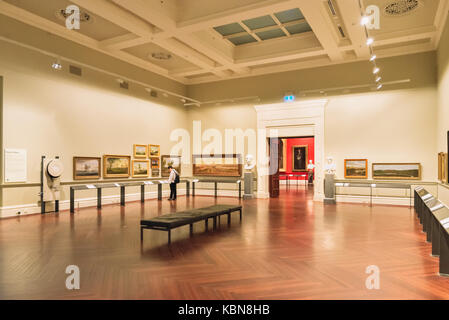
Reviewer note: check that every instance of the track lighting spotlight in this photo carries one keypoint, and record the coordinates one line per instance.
(379, 86)
(376, 70)
(57, 65)
(373, 57)
(364, 21)
(369, 41)
(378, 79)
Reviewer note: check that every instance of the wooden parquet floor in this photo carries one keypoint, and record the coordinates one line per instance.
(286, 248)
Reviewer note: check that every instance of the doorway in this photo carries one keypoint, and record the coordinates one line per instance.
(295, 119)
(292, 163)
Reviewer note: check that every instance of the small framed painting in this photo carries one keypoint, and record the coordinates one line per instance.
(155, 150)
(141, 168)
(140, 151)
(116, 166)
(397, 171)
(174, 161)
(85, 168)
(155, 163)
(300, 158)
(356, 169)
(155, 173)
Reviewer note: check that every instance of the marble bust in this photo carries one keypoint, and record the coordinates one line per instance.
(330, 166)
(249, 163)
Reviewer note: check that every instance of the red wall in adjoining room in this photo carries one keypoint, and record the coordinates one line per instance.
(310, 142)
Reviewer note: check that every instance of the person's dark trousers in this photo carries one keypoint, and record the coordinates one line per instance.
(173, 191)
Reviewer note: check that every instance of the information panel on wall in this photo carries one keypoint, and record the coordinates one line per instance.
(15, 165)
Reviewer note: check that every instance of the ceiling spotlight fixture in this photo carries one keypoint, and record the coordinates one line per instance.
(379, 86)
(364, 21)
(373, 57)
(160, 56)
(376, 70)
(378, 79)
(369, 41)
(57, 65)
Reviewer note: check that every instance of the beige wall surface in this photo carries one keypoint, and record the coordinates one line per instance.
(419, 68)
(54, 113)
(390, 126)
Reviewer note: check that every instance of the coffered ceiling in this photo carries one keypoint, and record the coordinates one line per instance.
(197, 41)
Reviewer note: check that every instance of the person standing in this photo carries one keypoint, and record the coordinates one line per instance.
(173, 179)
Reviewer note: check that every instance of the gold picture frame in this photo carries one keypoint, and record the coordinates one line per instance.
(86, 168)
(140, 151)
(154, 150)
(356, 168)
(397, 171)
(443, 167)
(115, 166)
(155, 163)
(141, 168)
(300, 164)
(174, 161)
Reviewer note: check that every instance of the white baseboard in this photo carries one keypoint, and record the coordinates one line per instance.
(376, 200)
(23, 210)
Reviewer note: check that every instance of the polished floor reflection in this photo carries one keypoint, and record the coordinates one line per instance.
(286, 248)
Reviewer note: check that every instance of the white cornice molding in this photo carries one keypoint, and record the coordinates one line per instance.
(291, 106)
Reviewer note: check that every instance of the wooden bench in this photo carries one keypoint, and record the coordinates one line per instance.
(189, 217)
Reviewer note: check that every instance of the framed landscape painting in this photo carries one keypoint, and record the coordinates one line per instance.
(116, 166)
(221, 165)
(140, 151)
(155, 173)
(356, 168)
(397, 171)
(141, 168)
(155, 150)
(174, 161)
(300, 158)
(85, 168)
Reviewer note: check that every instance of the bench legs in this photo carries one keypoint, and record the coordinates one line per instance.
(169, 236)
(191, 229)
(141, 234)
(240, 215)
(206, 222)
(229, 219)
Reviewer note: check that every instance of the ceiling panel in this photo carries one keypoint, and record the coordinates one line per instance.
(229, 29)
(98, 28)
(146, 50)
(242, 40)
(298, 28)
(289, 15)
(259, 22)
(271, 34)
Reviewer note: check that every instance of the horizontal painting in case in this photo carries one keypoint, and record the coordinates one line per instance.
(155, 173)
(222, 165)
(356, 168)
(116, 166)
(174, 161)
(141, 168)
(397, 171)
(85, 168)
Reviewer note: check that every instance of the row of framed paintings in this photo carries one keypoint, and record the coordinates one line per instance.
(114, 166)
(358, 169)
(144, 151)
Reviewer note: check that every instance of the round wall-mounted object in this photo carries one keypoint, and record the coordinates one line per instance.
(55, 168)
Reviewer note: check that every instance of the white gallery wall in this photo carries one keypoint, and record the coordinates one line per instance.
(54, 113)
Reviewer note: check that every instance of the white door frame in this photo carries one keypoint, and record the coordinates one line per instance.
(294, 119)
